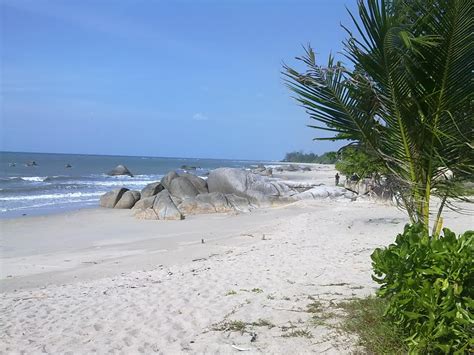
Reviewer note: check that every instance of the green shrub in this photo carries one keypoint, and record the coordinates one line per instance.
(357, 161)
(429, 285)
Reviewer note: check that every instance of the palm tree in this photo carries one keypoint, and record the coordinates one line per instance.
(408, 99)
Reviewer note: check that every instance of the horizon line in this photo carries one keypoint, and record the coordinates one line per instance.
(135, 156)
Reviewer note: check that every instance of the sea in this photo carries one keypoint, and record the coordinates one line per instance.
(45, 183)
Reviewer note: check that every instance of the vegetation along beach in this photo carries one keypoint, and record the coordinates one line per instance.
(238, 229)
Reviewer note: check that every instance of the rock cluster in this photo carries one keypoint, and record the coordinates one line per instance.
(258, 189)
(262, 170)
(293, 167)
(369, 187)
(225, 190)
(120, 198)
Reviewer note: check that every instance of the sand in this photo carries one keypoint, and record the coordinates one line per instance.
(101, 281)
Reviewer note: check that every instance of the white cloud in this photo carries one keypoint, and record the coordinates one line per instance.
(200, 117)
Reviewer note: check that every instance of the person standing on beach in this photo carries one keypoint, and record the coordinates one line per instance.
(337, 178)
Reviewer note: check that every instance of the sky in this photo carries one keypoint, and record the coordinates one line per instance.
(196, 78)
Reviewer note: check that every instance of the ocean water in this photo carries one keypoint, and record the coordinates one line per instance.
(50, 186)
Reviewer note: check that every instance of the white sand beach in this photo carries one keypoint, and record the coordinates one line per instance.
(101, 281)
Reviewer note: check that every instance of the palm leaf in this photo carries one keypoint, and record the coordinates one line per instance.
(409, 98)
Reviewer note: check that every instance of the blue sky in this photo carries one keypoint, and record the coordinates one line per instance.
(160, 78)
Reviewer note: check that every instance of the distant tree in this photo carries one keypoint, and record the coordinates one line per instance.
(327, 158)
(300, 157)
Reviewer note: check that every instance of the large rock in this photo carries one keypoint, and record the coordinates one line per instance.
(166, 180)
(258, 189)
(144, 203)
(199, 183)
(152, 189)
(165, 207)
(323, 191)
(128, 199)
(216, 199)
(182, 187)
(214, 202)
(191, 206)
(120, 170)
(238, 203)
(110, 199)
(147, 213)
(160, 206)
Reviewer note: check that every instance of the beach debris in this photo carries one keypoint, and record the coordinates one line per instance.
(337, 284)
(253, 337)
(202, 241)
(240, 348)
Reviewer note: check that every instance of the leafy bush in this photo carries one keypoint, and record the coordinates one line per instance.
(357, 161)
(429, 285)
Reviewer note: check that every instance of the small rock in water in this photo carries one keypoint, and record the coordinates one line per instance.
(188, 167)
(120, 170)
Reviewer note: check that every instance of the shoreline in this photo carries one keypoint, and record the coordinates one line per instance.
(44, 201)
(99, 280)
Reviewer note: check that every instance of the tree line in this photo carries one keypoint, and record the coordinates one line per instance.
(300, 157)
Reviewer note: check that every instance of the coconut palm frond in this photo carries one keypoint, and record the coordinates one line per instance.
(409, 97)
